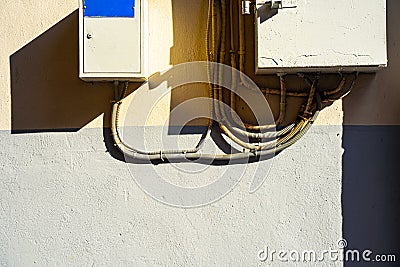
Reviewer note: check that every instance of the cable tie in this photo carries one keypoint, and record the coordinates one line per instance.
(302, 117)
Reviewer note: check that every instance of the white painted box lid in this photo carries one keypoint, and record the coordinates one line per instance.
(321, 35)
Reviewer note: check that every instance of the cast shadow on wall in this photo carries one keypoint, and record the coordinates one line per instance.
(47, 94)
(371, 185)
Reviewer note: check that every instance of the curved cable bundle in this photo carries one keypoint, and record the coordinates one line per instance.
(230, 125)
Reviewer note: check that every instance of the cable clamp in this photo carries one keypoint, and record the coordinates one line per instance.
(161, 156)
(246, 7)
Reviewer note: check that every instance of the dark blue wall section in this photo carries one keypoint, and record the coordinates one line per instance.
(109, 8)
(371, 191)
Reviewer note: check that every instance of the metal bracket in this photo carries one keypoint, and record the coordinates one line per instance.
(279, 4)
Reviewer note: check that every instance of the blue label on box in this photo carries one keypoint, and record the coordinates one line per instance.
(109, 8)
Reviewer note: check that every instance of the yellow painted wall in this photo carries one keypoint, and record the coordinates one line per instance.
(40, 88)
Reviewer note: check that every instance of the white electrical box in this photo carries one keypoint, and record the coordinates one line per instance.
(320, 35)
(113, 41)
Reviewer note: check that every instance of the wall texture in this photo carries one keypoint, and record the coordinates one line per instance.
(65, 200)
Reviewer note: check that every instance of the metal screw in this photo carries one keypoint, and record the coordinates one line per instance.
(89, 36)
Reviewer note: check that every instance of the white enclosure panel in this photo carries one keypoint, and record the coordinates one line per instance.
(114, 48)
(322, 35)
(112, 45)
